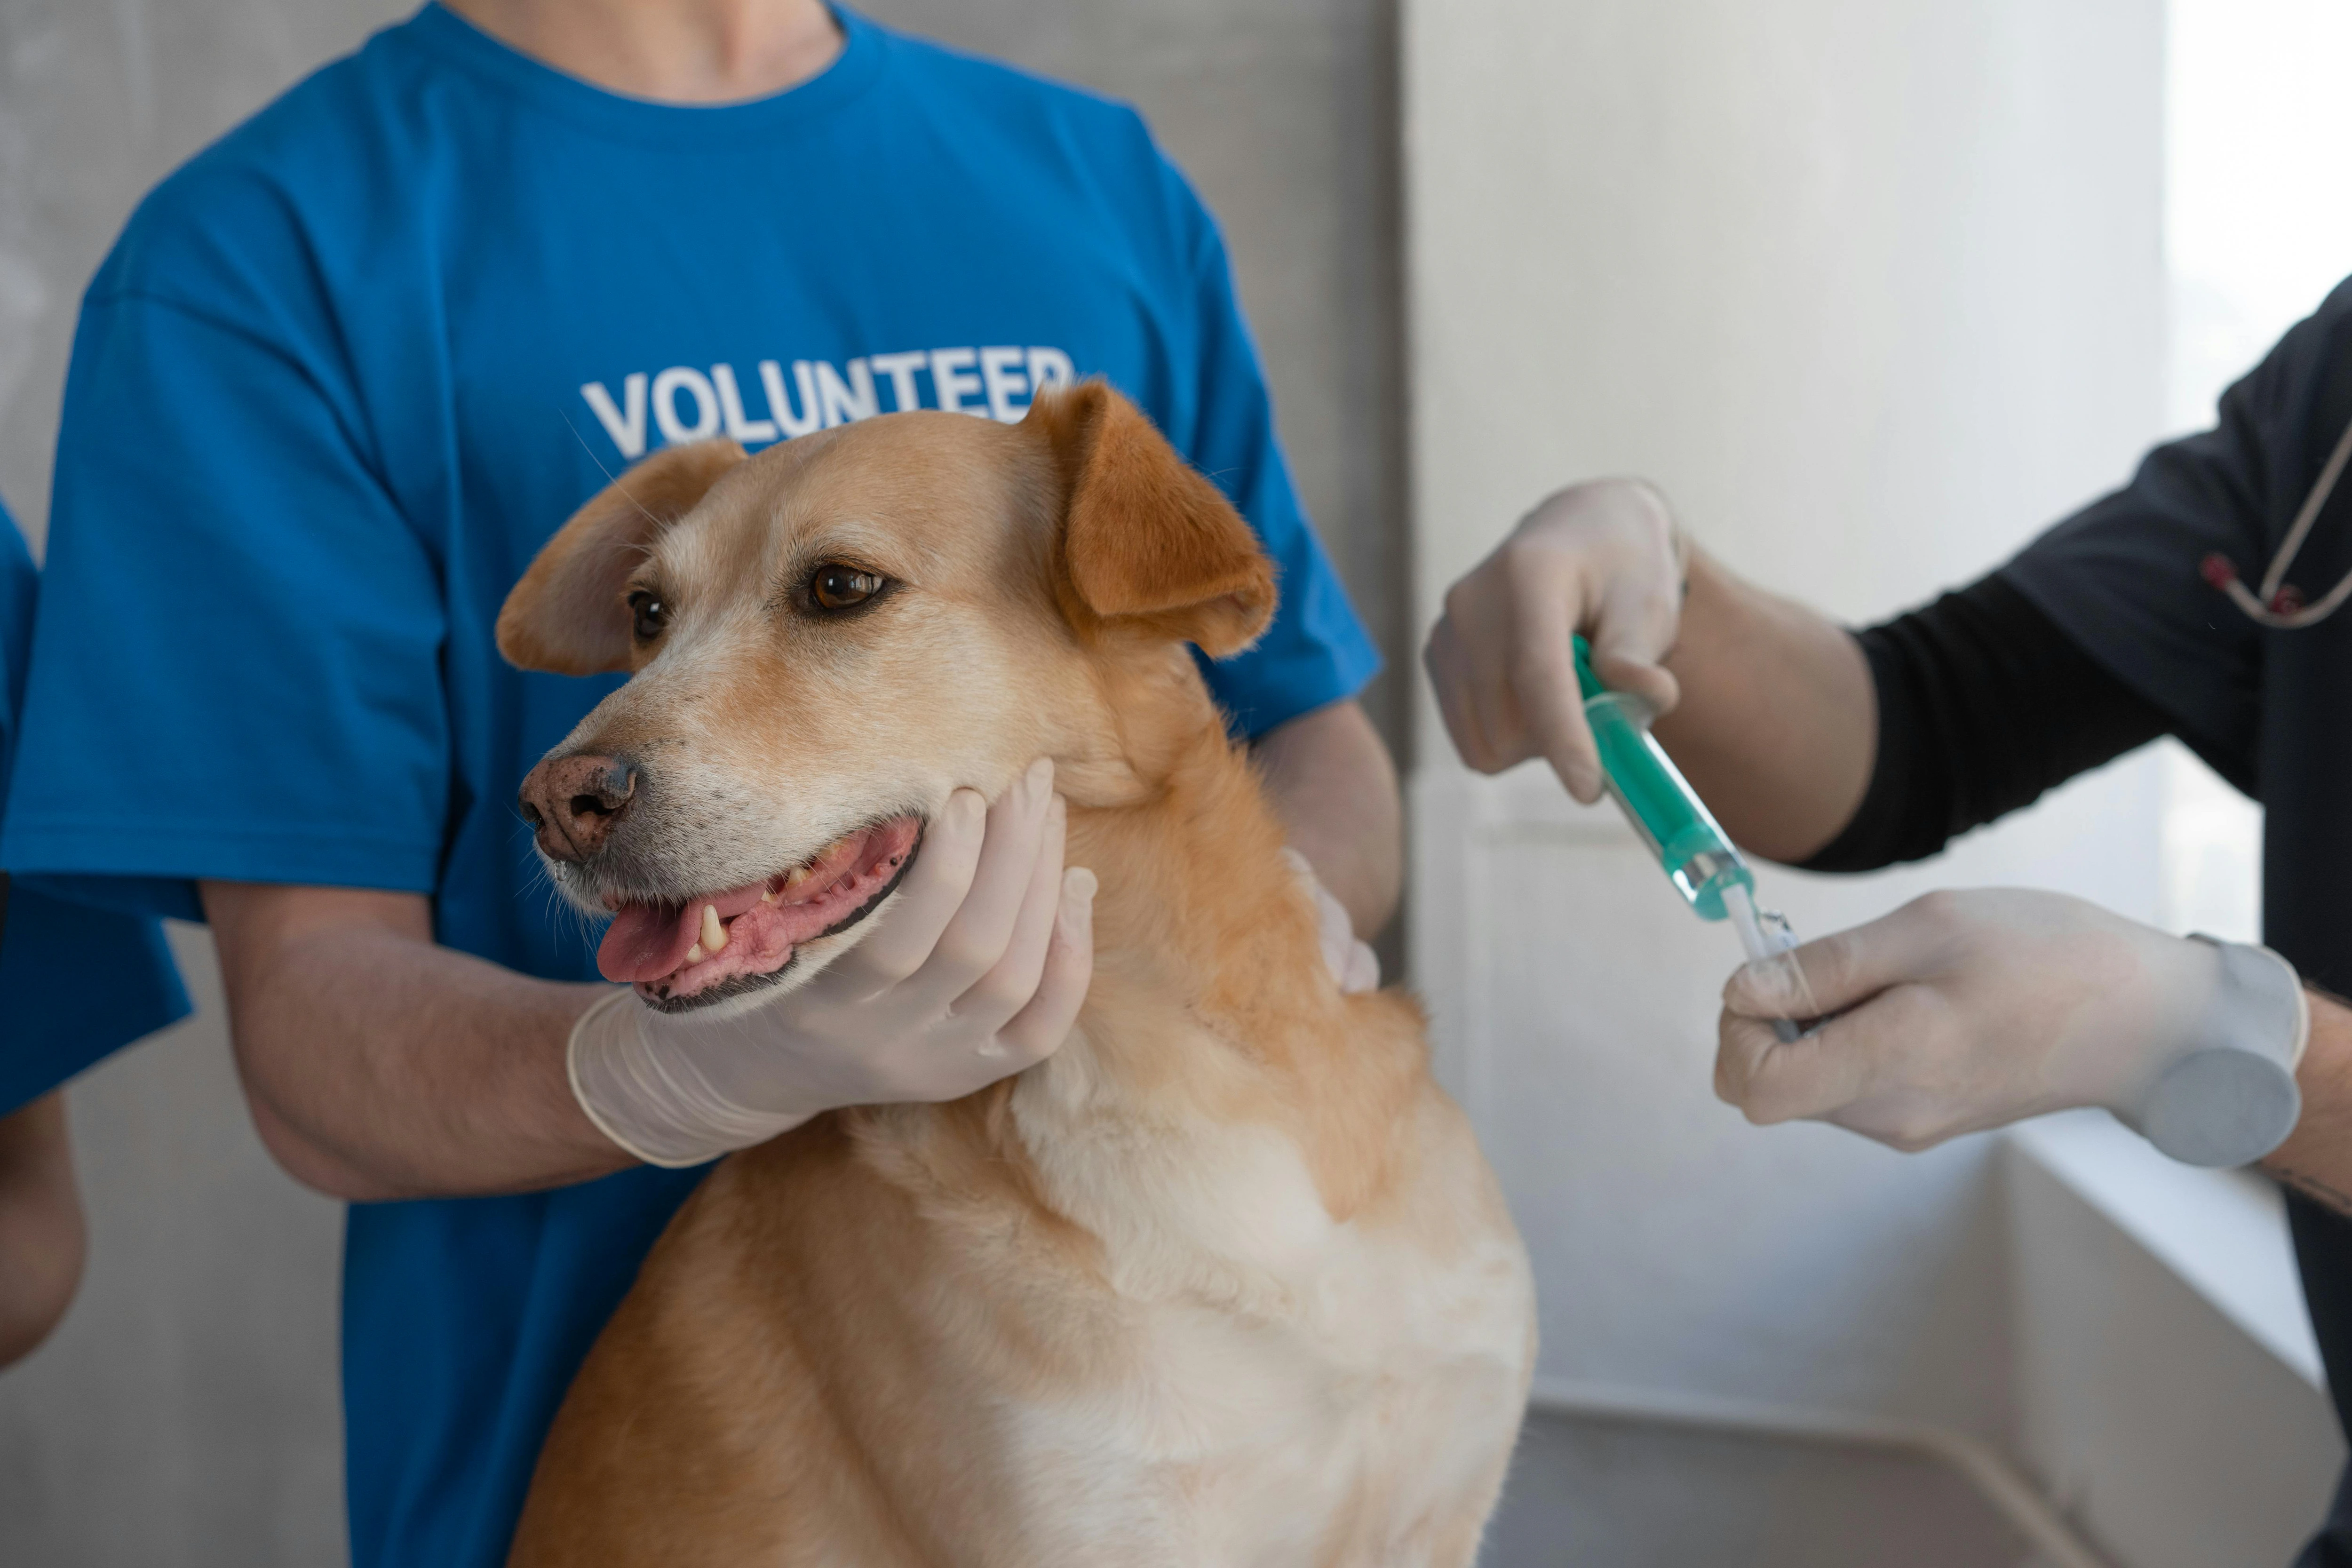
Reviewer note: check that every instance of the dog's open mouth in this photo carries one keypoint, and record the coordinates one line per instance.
(722, 944)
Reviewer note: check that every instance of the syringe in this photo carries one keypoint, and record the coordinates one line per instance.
(1674, 823)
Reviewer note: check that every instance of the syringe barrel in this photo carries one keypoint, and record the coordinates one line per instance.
(1662, 806)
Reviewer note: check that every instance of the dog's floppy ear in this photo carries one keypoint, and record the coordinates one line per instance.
(1146, 540)
(566, 615)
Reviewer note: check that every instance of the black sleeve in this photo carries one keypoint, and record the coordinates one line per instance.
(1984, 703)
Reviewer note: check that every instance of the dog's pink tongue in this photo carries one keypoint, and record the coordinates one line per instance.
(647, 941)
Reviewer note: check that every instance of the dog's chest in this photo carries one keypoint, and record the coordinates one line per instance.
(1289, 1378)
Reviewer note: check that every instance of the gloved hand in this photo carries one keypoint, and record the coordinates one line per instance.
(1600, 558)
(1353, 964)
(976, 971)
(1967, 1010)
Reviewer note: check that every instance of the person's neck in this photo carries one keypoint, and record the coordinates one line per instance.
(671, 51)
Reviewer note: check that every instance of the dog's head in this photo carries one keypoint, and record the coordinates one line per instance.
(826, 639)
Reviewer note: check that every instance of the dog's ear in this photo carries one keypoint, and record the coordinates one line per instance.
(566, 615)
(1146, 540)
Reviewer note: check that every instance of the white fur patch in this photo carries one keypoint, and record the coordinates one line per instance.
(1291, 1376)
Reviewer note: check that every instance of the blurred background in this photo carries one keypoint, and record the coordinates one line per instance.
(1876, 292)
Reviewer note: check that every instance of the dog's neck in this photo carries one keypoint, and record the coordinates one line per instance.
(1212, 1013)
(1211, 1001)
(1197, 900)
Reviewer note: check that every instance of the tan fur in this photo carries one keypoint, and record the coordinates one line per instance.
(1225, 1281)
(572, 587)
(1144, 538)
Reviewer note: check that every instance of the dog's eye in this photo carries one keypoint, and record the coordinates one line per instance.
(649, 614)
(843, 587)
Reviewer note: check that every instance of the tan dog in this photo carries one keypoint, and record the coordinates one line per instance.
(1226, 1281)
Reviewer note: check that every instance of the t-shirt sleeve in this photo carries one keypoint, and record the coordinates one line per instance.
(19, 582)
(236, 671)
(1317, 652)
(76, 984)
(2122, 577)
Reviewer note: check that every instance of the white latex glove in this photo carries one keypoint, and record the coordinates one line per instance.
(1354, 965)
(976, 971)
(1967, 1010)
(1600, 558)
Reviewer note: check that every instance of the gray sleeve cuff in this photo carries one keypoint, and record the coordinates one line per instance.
(2232, 1098)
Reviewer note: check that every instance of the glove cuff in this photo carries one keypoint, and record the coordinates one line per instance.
(650, 1097)
(2232, 1098)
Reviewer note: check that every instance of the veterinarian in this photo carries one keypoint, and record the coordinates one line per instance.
(340, 378)
(1845, 751)
(76, 984)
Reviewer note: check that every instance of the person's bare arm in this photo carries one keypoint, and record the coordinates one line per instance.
(1766, 706)
(2316, 1158)
(1778, 726)
(381, 1066)
(41, 1234)
(1335, 788)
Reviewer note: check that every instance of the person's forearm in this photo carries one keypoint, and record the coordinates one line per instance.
(381, 1066)
(1777, 728)
(1334, 786)
(2316, 1158)
(41, 1232)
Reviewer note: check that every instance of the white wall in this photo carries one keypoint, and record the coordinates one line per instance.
(2257, 130)
(1875, 292)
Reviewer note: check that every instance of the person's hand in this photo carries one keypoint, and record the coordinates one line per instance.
(1600, 558)
(975, 972)
(1967, 1010)
(1353, 964)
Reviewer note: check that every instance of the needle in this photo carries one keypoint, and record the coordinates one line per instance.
(1762, 933)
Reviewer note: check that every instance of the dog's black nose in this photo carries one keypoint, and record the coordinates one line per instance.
(574, 802)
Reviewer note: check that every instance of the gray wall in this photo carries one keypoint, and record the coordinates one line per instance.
(187, 1412)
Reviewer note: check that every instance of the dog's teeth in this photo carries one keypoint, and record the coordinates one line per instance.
(795, 876)
(767, 895)
(695, 954)
(714, 935)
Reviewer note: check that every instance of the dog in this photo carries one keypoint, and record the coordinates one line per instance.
(1225, 1280)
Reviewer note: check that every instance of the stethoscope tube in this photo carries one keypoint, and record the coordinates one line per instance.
(2279, 604)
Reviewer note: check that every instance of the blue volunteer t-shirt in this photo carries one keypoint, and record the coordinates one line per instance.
(347, 371)
(76, 982)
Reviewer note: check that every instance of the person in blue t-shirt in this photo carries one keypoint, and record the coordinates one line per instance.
(336, 383)
(76, 984)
